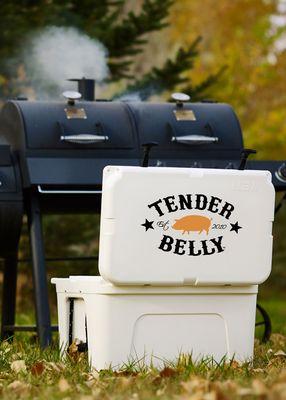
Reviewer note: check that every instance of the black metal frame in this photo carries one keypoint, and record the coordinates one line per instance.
(39, 272)
(9, 296)
(43, 326)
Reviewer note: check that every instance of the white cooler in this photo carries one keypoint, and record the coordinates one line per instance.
(181, 254)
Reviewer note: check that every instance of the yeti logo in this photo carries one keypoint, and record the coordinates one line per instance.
(195, 223)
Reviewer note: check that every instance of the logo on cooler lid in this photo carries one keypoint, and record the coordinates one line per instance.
(191, 224)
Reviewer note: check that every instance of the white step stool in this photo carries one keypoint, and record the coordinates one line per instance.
(181, 254)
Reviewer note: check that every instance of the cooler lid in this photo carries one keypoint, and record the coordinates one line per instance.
(179, 226)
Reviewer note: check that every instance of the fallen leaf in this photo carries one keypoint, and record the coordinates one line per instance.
(38, 368)
(94, 374)
(167, 372)
(160, 392)
(124, 382)
(18, 366)
(278, 339)
(258, 370)
(280, 353)
(57, 367)
(157, 380)
(19, 388)
(245, 392)
(229, 385)
(235, 364)
(63, 385)
(195, 384)
(279, 390)
(282, 376)
(125, 373)
(259, 388)
(211, 396)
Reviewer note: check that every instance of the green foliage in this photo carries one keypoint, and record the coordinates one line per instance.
(125, 35)
(169, 75)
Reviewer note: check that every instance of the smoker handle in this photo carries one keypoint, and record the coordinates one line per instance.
(43, 191)
(195, 139)
(84, 138)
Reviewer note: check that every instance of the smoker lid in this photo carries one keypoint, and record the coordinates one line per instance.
(177, 226)
(58, 125)
(168, 125)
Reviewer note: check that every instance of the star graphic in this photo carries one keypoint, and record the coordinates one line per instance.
(235, 227)
(148, 225)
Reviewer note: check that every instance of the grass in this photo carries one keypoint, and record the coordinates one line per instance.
(27, 372)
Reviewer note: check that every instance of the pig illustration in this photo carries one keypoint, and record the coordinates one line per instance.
(196, 223)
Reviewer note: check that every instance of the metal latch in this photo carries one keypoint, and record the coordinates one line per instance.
(81, 347)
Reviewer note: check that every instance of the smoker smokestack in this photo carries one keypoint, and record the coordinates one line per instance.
(86, 88)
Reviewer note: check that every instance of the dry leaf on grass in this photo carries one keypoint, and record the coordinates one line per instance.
(63, 385)
(94, 374)
(196, 396)
(19, 388)
(280, 353)
(167, 372)
(259, 388)
(278, 340)
(161, 391)
(18, 366)
(55, 367)
(73, 351)
(37, 368)
(211, 396)
(92, 378)
(229, 386)
(279, 391)
(282, 375)
(258, 371)
(125, 382)
(195, 384)
(245, 392)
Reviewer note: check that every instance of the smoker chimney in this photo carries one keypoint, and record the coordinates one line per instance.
(86, 88)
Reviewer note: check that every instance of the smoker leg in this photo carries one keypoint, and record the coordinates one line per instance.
(9, 297)
(39, 273)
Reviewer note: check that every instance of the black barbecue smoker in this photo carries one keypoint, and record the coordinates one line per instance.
(53, 154)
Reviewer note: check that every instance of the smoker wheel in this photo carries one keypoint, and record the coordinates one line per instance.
(266, 322)
(281, 173)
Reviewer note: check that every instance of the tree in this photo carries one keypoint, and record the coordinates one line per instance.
(248, 37)
(124, 34)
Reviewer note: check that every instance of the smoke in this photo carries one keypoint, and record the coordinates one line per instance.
(130, 97)
(56, 54)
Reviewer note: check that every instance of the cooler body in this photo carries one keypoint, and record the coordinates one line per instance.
(155, 325)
